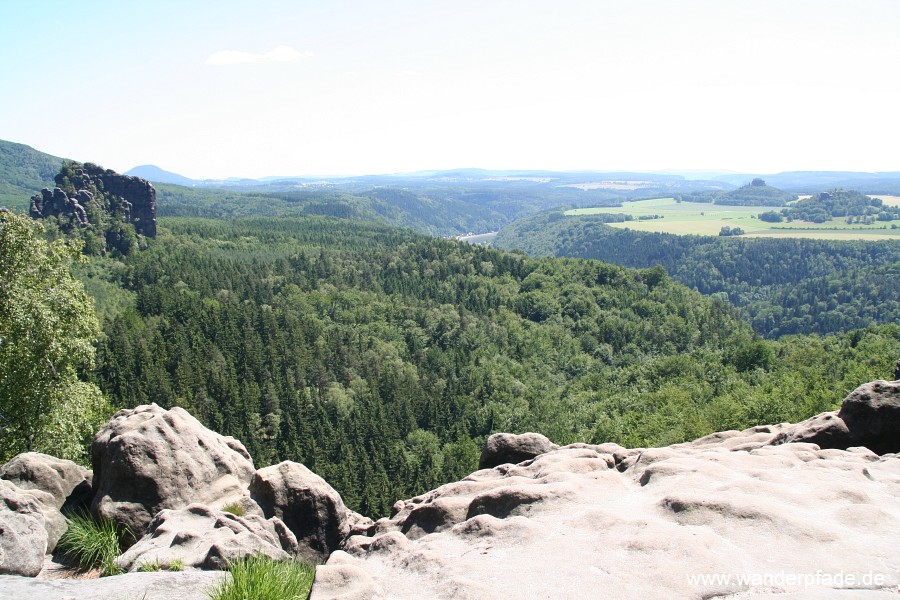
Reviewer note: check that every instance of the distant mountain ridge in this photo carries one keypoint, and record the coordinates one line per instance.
(158, 175)
(883, 182)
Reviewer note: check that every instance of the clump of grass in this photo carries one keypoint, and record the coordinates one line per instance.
(150, 566)
(93, 542)
(235, 508)
(263, 578)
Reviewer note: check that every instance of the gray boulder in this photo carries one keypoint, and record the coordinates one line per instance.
(203, 538)
(68, 483)
(310, 507)
(147, 459)
(872, 415)
(23, 532)
(502, 448)
(869, 416)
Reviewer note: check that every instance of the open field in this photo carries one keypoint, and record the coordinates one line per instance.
(609, 185)
(890, 200)
(708, 219)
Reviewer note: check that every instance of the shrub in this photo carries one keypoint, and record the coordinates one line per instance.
(263, 578)
(93, 542)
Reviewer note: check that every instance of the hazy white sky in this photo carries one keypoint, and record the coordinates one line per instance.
(226, 88)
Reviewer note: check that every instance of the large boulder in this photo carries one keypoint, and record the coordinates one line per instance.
(872, 415)
(504, 448)
(869, 416)
(23, 532)
(68, 483)
(203, 538)
(147, 459)
(310, 507)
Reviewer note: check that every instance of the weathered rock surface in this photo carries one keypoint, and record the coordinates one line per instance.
(188, 585)
(736, 514)
(343, 579)
(147, 459)
(511, 448)
(25, 530)
(310, 507)
(202, 538)
(68, 483)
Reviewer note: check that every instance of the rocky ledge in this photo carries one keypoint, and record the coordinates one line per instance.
(804, 511)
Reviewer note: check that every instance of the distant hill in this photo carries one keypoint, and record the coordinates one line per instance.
(23, 172)
(157, 175)
(755, 193)
(782, 286)
(886, 182)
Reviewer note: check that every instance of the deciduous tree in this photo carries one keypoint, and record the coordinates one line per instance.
(47, 330)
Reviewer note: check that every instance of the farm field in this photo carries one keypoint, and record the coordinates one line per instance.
(890, 200)
(707, 219)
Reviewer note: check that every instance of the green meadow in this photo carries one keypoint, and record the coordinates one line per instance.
(708, 219)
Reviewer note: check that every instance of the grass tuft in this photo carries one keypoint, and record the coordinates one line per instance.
(263, 578)
(235, 508)
(93, 542)
(150, 566)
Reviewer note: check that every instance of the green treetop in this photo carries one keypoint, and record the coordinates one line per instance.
(47, 330)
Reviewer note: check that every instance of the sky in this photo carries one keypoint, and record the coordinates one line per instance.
(348, 87)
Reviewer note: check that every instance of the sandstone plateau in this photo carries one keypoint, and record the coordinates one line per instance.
(808, 510)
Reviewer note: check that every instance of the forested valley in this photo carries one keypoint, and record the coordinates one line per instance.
(382, 359)
(310, 327)
(781, 286)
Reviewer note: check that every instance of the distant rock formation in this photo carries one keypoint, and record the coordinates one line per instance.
(87, 195)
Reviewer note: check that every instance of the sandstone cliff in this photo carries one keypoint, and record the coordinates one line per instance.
(89, 196)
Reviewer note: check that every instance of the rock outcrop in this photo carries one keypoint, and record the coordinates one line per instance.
(869, 416)
(311, 508)
(805, 511)
(67, 483)
(29, 528)
(740, 514)
(85, 191)
(147, 459)
(202, 538)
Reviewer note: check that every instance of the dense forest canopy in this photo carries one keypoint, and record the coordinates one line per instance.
(382, 359)
(304, 323)
(782, 286)
(444, 210)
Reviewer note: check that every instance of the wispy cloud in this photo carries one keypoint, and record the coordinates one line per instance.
(281, 53)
